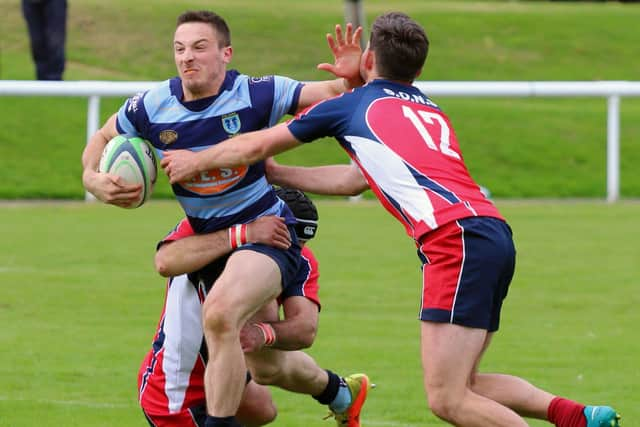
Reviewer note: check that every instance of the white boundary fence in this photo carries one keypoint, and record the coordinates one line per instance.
(612, 90)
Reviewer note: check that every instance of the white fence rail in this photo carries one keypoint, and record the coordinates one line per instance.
(612, 90)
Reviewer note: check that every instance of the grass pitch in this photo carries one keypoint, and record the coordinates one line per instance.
(79, 302)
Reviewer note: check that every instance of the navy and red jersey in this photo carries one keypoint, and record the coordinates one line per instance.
(171, 377)
(406, 149)
(222, 197)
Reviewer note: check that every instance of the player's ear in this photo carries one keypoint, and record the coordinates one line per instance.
(227, 53)
(369, 59)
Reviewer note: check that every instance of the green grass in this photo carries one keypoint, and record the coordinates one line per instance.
(516, 147)
(79, 302)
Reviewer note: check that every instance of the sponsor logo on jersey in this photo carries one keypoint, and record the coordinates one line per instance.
(133, 102)
(260, 79)
(420, 99)
(215, 181)
(168, 136)
(231, 123)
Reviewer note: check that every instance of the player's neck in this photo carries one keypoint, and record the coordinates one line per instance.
(206, 92)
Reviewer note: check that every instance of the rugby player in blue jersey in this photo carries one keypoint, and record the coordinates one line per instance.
(408, 153)
(204, 105)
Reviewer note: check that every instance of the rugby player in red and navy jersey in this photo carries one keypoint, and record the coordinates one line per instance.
(407, 152)
(170, 381)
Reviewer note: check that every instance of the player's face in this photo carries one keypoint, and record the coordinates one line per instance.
(200, 60)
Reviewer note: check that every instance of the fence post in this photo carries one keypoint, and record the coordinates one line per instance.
(93, 123)
(613, 148)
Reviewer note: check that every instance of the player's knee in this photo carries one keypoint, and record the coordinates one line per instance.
(264, 413)
(442, 404)
(217, 319)
(257, 407)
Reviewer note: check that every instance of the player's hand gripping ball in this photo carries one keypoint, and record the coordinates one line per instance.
(131, 158)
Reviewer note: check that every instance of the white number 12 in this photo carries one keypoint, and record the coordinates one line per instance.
(428, 117)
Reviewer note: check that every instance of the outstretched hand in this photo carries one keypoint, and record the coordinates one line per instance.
(346, 53)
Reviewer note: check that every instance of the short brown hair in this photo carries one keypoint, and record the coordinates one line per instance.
(400, 45)
(216, 21)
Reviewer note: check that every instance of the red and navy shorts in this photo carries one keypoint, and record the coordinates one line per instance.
(467, 267)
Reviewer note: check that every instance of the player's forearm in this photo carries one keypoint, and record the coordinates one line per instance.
(336, 86)
(247, 149)
(341, 180)
(191, 253)
(93, 151)
(294, 334)
(315, 92)
(230, 154)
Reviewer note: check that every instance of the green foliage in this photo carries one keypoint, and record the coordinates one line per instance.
(80, 303)
(516, 147)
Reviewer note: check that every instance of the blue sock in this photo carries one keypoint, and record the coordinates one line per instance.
(342, 399)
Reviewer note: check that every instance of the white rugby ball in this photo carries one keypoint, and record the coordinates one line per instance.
(131, 158)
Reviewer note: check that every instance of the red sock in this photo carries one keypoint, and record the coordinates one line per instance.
(566, 413)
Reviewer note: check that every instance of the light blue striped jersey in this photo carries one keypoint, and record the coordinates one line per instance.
(223, 197)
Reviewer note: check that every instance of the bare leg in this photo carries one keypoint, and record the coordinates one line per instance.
(248, 282)
(294, 371)
(449, 355)
(257, 407)
(511, 391)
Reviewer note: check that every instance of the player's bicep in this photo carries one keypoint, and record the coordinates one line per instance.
(110, 129)
(301, 310)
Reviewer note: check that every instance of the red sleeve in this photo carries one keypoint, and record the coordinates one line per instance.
(180, 231)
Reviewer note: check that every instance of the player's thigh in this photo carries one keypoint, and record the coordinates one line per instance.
(266, 363)
(449, 355)
(249, 280)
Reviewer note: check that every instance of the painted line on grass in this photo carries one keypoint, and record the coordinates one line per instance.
(367, 421)
(86, 404)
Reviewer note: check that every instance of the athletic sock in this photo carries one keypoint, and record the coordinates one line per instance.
(220, 422)
(342, 399)
(566, 413)
(331, 391)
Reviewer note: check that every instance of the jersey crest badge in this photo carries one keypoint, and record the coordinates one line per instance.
(231, 123)
(168, 136)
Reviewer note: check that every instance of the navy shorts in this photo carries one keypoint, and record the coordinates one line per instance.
(288, 260)
(467, 268)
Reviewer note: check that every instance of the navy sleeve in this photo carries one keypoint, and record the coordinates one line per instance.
(325, 119)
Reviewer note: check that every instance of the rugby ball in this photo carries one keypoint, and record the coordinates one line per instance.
(131, 158)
